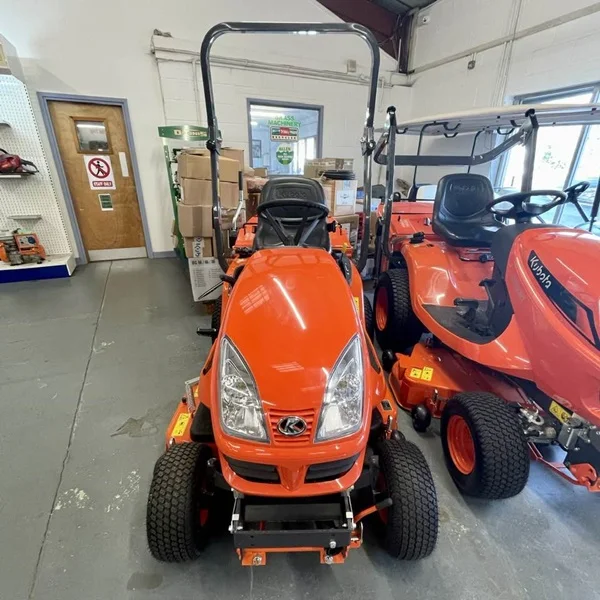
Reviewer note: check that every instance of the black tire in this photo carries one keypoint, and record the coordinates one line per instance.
(388, 360)
(501, 454)
(411, 529)
(368, 317)
(402, 329)
(215, 319)
(174, 503)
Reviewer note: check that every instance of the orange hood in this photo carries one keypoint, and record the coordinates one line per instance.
(290, 315)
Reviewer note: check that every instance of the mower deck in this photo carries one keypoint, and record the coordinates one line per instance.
(424, 381)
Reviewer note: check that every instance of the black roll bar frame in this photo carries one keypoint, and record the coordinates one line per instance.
(214, 141)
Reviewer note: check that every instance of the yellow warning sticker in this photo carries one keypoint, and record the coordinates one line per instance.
(181, 425)
(357, 302)
(427, 374)
(415, 373)
(562, 414)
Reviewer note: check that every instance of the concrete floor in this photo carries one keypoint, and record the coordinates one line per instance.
(90, 371)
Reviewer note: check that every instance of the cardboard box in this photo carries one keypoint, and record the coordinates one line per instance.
(199, 192)
(350, 224)
(195, 164)
(204, 274)
(234, 154)
(199, 247)
(196, 221)
(316, 166)
(261, 172)
(340, 196)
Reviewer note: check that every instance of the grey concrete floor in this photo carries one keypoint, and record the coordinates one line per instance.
(90, 371)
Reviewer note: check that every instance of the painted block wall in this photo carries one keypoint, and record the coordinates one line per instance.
(561, 56)
(68, 49)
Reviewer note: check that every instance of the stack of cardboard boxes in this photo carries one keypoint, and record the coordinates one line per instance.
(340, 194)
(195, 209)
(194, 212)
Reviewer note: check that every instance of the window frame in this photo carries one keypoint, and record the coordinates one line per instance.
(276, 103)
(544, 96)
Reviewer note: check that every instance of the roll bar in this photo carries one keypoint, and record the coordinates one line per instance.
(385, 154)
(214, 142)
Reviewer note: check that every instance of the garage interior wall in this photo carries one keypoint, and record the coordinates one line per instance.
(70, 48)
(556, 45)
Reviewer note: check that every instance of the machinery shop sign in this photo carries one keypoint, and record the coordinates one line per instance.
(286, 129)
(99, 171)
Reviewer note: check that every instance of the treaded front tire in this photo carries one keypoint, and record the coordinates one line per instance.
(215, 319)
(175, 502)
(368, 317)
(500, 450)
(411, 522)
(396, 325)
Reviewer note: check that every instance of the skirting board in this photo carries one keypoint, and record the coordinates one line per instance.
(55, 266)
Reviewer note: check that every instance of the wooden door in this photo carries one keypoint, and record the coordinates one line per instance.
(93, 147)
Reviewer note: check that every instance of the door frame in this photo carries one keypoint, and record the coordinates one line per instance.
(46, 97)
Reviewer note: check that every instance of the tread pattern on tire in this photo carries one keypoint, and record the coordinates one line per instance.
(215, 319)
(412, 527)
(500, 444)
(403, 329)
(369, 324)
(172, 518)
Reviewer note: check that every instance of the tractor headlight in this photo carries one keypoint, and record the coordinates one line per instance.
(240, 406)
(342, 410)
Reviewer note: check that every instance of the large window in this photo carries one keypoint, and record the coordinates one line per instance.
(283, 136)
(564, 156)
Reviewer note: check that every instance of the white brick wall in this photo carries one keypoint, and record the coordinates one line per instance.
(559, 57)
(67, 47)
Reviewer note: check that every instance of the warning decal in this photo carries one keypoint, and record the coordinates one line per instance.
(99, 172)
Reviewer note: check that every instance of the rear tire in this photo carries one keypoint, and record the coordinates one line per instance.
(484, 445)
(215, 319)
(174, 526)
(396, 325)
(411, 523)
(368, 317)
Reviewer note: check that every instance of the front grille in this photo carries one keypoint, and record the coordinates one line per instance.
(254, 471)
(329, 470)
(300, 440)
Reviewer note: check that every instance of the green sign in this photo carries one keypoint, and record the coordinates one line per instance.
(105, 202)
(288, 121)
(285, 154)
(188, 133)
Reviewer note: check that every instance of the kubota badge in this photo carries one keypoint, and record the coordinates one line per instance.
(99, 172)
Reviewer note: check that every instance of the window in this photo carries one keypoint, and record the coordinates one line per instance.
(92, 136)
(283, 136)
(564, 156)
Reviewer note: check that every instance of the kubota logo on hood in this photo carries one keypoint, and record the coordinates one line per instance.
(540, 272)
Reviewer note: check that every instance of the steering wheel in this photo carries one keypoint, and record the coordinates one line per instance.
(573, 192)
(303, 232)
(522, 210)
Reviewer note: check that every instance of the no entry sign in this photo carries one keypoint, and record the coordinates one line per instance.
(99, 172)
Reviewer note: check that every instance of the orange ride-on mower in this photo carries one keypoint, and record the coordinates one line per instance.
(291, 425)
(512, 365)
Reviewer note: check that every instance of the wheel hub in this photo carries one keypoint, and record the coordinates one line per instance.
(461, 444)
(381, 309)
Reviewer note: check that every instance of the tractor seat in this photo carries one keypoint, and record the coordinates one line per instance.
(292, 217)
(460, 214)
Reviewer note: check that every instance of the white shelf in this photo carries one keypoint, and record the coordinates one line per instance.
(25, 217)
(15, 175)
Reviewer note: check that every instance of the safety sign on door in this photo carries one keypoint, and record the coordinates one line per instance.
(100, 173)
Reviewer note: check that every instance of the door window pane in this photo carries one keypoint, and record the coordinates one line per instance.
(283, 137)
(92, 136)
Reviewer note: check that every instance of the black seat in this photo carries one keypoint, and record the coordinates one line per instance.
(460, 215)
(284, 212)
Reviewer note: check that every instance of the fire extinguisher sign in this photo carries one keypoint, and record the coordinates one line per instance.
(99, 172)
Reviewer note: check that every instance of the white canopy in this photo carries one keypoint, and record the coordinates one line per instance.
(504, 117)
